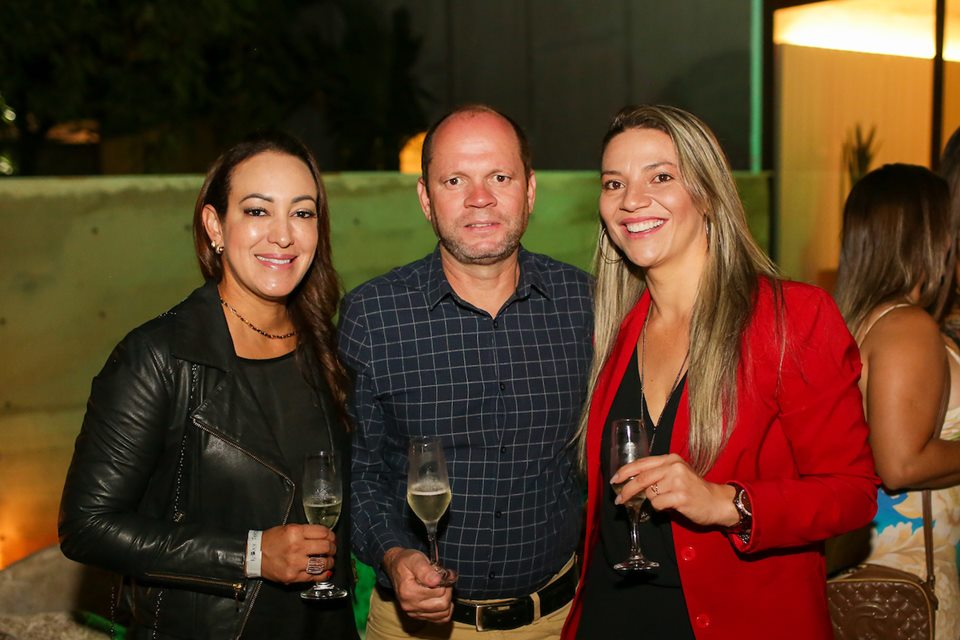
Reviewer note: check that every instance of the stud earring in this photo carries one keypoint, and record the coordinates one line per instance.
(219, 250)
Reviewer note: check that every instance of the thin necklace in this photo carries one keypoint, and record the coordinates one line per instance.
(272, 336)
(673, 388)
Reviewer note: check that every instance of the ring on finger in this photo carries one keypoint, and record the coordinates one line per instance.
(316, 565)
(655, 488)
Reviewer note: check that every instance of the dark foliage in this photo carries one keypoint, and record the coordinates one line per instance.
(188, 77)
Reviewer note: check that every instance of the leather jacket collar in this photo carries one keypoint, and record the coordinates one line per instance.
(200, 330)
(229, 408)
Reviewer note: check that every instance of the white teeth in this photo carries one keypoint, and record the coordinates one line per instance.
(646, 225)
(275, 260)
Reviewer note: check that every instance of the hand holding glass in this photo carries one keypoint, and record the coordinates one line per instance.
(428, 494)
(322, 498)
(629, 442)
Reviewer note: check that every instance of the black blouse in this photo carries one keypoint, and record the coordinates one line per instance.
(302, 423)
(653, 599)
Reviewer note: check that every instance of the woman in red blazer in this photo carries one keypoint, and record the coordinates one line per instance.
(748, 389)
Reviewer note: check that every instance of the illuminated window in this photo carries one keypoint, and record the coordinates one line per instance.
(890, 27)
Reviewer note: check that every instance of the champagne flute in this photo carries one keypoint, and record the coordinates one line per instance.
(322, 498)
(428, 494)
(629, 442)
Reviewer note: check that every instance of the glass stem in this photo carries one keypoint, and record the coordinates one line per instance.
(634, 514)
(434, 547)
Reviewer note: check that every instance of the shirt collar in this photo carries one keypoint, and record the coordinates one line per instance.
(437, 287)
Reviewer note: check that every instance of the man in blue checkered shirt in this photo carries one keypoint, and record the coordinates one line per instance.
(487, 347)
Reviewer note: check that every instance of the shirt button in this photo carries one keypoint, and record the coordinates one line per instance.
(703, 621)
(496, 324)
(503, 450)
(492, 575)
(498, 513)
(688, 553)
(502, 386)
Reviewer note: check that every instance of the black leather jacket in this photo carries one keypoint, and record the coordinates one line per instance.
(174, 464)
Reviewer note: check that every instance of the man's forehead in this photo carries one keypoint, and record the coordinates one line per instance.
(474, 132)
(474, 122)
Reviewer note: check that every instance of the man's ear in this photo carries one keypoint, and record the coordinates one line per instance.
(424, 196)
(531, 190)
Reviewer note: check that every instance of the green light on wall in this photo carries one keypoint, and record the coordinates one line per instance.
(756, 85)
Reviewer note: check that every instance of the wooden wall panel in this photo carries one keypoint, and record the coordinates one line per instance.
(823, 95)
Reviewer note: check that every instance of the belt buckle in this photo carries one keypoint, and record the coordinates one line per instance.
(497, 608)
(479, 621)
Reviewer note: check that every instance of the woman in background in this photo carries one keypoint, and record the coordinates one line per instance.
(896, 267)
(186, 474)
(950, 171)
(759, 447)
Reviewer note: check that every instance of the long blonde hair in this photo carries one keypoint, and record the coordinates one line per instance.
(727, 288)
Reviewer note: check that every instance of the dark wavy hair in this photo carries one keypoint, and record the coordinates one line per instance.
(313, 303)
(896, 237)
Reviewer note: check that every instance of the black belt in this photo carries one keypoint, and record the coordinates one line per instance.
(518, 612)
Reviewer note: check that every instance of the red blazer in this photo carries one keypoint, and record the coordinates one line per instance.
(800, 450)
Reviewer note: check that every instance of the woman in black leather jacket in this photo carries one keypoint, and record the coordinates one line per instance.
(191, 452)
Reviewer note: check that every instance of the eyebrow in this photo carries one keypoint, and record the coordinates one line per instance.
(260, 196)
(647, 167)
(656, 165)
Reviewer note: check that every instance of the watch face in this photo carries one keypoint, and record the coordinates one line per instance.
(741, 503)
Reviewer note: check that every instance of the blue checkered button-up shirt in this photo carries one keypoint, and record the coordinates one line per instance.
(503, 393)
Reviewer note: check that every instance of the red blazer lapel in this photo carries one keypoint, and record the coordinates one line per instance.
(606, 389)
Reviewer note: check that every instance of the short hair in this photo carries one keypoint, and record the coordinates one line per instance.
(896, 237)
(523, 143)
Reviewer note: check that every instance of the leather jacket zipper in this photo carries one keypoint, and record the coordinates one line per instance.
(236, 587)
(286, 516)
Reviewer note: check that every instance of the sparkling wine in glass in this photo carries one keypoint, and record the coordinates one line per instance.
(428, 494)
(629, 442)
(322, 499)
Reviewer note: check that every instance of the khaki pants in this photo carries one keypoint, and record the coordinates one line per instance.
(387, 621)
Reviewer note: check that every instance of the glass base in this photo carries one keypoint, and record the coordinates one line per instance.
(448, 577)
(323, 591)
(636, 564)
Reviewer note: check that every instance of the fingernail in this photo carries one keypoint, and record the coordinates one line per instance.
(616, 500)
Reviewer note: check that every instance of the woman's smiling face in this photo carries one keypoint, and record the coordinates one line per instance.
(647, 210)
(269, 232)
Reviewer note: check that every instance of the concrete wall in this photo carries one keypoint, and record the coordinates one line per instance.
(87, 259)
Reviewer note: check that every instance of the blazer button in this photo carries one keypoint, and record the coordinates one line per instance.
(703, 621)
(688, 553)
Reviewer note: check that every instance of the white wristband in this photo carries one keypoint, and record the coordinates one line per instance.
(254, 554)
